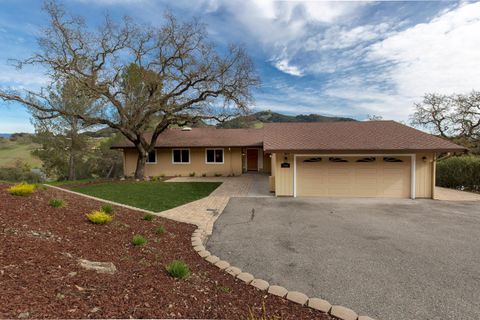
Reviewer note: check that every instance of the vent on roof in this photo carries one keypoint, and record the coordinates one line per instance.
(186, 129)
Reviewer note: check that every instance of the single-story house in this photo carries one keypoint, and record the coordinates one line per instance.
(331, 159)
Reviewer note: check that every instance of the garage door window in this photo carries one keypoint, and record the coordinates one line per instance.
(392, 159)
(337, 159)
(317, 159)
(367, 159)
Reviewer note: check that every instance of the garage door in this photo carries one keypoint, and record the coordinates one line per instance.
(385, 176)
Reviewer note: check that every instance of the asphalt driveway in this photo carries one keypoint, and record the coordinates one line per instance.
(389, 259)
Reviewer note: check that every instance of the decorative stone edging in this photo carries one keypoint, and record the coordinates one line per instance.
(198, 239)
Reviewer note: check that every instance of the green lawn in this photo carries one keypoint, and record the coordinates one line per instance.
(154, 196)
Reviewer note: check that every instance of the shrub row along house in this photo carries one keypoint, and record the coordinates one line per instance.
(339, 159)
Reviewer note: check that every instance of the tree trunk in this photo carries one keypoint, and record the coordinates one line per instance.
(71, 167)
(141, 160)
(72, 173)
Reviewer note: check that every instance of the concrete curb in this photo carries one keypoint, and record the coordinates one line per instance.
(339, 312)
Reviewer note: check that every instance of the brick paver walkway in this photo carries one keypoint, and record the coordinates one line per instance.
(204, 212)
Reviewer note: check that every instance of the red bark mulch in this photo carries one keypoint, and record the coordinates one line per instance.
(40, 276)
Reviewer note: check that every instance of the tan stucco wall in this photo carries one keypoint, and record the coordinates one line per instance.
(283, 176)
(424, 175)
(164, 166)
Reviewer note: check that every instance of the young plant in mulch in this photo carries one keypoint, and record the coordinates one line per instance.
(56, 203)
(148, 217)
(108, 209)
(139, 240)
(178, 269)
(99, 217)
(160, 230)
(22, 189)
(264, 316)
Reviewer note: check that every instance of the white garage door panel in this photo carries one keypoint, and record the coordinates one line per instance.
(353, 179)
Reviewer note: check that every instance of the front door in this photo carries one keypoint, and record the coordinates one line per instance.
(252, 159)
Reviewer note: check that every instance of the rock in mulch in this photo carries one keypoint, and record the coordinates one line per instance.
(100, 267)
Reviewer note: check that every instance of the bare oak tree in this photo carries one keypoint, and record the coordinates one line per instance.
(141, 78)
(455, 117)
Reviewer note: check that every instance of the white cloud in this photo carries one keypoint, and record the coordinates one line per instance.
(281, 27)
(441, 56)
(284, 66)
(113, 2)
(12, 77)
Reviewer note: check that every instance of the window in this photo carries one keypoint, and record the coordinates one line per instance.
(368, 159)
(214, 155)
(152, 156)
(181, 156)
(392, 159)
(313, 160)
(337, 159)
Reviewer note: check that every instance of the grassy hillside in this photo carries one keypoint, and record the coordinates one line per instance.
(256, 120)
(13, 151)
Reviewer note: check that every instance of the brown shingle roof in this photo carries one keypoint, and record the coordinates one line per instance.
(205, 137)
(352, 136)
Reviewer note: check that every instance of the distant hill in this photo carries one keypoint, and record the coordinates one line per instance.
(106, 132)
(5, 135)
(256, 120)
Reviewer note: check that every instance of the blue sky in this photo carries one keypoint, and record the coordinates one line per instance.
(332, 58)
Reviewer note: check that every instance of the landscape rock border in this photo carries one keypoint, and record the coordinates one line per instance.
(199, 237)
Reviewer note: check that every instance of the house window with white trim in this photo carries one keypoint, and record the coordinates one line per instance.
(181, 156)
(214, 156)
(152, 156)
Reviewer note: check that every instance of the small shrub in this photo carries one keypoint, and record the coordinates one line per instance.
(204, 174)
(20, 173)
(160, 230)
(148, 217)
(225, 289)
(139, 240)
(22, 189)
(56, 203)
(178, 269)
(162, 175)
(108, 209)
(192, 174)
(264, 316)
(99, 217)
(218, 174)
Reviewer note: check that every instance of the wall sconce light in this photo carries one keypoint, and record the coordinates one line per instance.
(424, 159)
